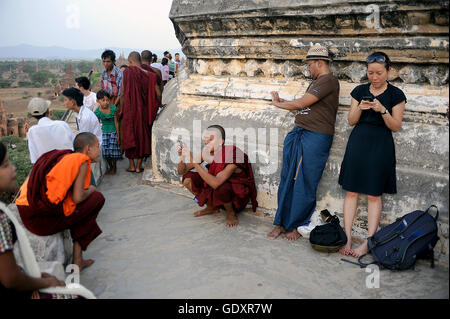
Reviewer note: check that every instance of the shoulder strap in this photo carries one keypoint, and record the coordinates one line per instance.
(360, 263)
(437, 211)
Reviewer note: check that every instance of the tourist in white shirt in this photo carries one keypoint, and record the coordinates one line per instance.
(155, 63)
(46, 135)
(86, 119)
(89, 97)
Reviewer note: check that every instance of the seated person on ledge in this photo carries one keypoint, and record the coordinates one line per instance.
(57, 195)
(228, 183)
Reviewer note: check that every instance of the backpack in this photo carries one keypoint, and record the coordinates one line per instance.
(398, 245)
(328, 237)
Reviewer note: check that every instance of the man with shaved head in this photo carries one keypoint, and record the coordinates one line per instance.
(138, 111)
(58, 195)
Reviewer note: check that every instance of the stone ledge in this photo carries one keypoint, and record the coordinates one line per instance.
(421, 98)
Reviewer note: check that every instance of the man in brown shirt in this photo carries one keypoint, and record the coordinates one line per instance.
(307, 146)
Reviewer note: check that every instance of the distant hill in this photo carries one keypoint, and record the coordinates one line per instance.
(26, 51)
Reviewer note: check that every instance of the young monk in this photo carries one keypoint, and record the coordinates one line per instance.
(228, 183)
(58, 195)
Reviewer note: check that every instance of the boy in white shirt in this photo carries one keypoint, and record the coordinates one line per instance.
(89, 97)
(46, 135)
(86, 119)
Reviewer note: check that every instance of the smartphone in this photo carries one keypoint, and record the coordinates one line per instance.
(180, 142)
(368, 98)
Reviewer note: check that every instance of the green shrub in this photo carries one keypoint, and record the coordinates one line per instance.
(25, 84)
(4, 84)
(19, 156)
(57, 114)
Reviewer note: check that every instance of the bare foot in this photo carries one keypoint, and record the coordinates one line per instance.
(360, 250)
(206, 211)
(276, 232)
(347, 249)
(139, 170)
(293, 235)
(131, 170)
(83, 263)
(231, 219)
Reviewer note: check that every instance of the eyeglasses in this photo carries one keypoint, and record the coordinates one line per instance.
(376, 58)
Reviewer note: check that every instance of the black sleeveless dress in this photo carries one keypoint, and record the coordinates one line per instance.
(368, 166)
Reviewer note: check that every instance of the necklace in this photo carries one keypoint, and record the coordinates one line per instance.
(380, 91)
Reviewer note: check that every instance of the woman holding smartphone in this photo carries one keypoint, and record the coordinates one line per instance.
(368, 166)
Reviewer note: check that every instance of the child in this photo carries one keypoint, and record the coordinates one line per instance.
(106, 113)
(165, 70)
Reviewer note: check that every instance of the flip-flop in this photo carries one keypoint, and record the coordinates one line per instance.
(131, 171)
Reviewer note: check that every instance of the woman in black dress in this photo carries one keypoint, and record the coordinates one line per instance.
(368, 166)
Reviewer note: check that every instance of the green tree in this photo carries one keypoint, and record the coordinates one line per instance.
(95, 77)
(4, 83)
(84, 66)
(29, 67)
(41, 77)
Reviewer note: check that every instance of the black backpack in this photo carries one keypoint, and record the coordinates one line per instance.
(398, 245)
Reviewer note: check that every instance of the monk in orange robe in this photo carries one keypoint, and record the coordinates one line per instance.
(58, 195)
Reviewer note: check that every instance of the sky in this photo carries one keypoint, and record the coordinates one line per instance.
(88, 24)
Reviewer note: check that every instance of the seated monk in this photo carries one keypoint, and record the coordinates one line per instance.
(228, 183)
(58, 195)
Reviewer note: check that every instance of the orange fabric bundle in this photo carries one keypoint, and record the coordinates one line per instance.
(61, 178)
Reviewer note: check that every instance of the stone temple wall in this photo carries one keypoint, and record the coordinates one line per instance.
(239, 51)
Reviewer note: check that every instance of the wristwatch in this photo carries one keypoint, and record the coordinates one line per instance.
(385, 111)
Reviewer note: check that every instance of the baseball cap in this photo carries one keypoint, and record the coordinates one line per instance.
(318, 52)
(38, 106)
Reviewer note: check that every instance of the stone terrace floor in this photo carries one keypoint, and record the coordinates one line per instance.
(152, 247)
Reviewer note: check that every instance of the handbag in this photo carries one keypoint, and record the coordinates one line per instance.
(328, 237)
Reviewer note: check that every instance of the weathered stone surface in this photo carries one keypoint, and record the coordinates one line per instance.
(357, 72)
(238, 52)
(436, 75)
(411, 74)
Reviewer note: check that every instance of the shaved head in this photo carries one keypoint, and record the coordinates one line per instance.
(134, 58)
(146, 56)
(84, 139)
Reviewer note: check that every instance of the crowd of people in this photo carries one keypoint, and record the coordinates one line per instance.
(60, 192)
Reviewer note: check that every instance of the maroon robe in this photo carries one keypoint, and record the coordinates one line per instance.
(238, 189)
(153, 102)
(44, 218)
(138, 111)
